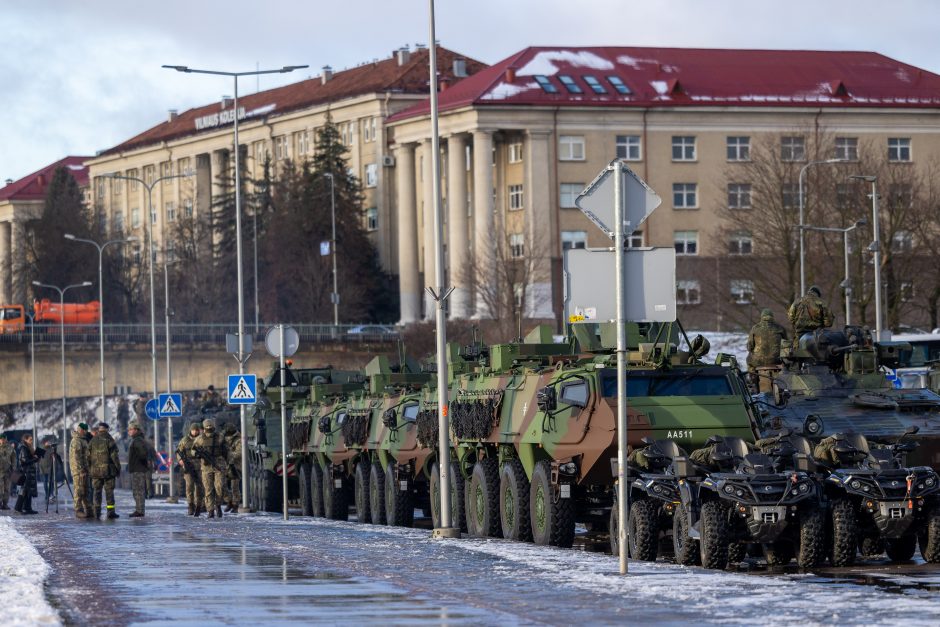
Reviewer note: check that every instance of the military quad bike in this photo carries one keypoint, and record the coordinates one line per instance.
(877, 501)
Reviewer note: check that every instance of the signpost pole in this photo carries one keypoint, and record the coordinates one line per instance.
(280, 331)
(620, 296)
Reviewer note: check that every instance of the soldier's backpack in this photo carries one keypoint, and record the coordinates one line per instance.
(99, 458)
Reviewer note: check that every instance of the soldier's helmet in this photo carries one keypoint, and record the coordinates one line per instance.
(766, 314)
(208, 424)
(230, 429)
(133, 424)
(814, 290)
(195, 425)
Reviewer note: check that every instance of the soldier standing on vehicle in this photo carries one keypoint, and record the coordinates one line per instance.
(104, 466)
(763, 346)
(7, 466)
(233, 441)
(140, 465)
(191, 474)
(809, 312)
(210, 448)
(78, 462)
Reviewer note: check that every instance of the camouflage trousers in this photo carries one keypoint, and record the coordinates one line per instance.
(195, 495)
(97, 484)
(4, 489)
(140, 481)
(213, 481)
(233, 492)
(80, 493)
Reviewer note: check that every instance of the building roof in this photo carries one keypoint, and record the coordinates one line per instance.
(33, 186)
(387, 75)
(682, 77)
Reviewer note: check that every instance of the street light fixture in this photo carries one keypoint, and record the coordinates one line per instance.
(100, 248)
(334, 297)
(242, 358)
(846, 284)
(875, 246)
(62, 291)
(801, 224)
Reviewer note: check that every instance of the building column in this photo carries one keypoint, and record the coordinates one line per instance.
(203, 201)
(409, 283)
(18, 261)
(540, 220)
(484, 239)
(458, 246)
(6, 264)
(427, 230)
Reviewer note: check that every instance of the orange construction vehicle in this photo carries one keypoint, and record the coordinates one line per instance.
(46, 312)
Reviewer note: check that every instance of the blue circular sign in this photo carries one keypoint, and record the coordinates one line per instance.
(152, 409)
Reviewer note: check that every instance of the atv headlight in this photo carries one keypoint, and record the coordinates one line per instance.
(739, 492)
(804, 488)
(855, 484)
(729, 489)
(929, 482)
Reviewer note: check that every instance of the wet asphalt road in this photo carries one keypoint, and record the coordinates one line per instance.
(257, 569)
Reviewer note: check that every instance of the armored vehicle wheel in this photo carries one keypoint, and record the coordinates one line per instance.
(514, 502)
(685, 549)
(902, 549)
(270, 491)
(844, 533)
(399, 501)
(737, 551)
(871, 546)
(362, 496)
(930, 537)
(377, 493)
(713, 545)
(551, 515)
(316, 490)
(644, 530)
(482, 500)
(252, 486)
(457, 484)
(778, 553)
(812, 537)
(335, 505)
(303, 479)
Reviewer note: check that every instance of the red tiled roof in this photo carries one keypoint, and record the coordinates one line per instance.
(682, 77)
(377, 77)
(33, 186)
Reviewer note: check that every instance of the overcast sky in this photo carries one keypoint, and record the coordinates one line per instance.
(79, 77)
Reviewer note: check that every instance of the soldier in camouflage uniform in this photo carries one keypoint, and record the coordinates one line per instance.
(7, 465)
(140, 465)
(211, 399)
(810, 312)
(763, 342)
(211, 450)
(191, 474)
(78, 463)
(104, 467)
(233, 441)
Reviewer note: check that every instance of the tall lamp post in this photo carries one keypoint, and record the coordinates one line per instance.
(801, 224)
(846, 285)
(875, 246)
(242, 358)
(171, 497)
(62, 291)
(100, 248)
(335, 295)
(32, 369)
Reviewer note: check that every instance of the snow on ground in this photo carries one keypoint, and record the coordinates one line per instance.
(23, 575)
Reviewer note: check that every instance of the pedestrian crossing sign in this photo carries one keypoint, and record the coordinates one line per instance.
(242, 389)
(170, 405)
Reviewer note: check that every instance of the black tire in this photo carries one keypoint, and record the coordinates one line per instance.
(715, 535)
(270, 491)
(552, 519)
(457, 484)
(482, 500)
(335, 505)
(514, 502)
(778, 553)
(871, 546)
(377, 494)
(614, 528)
(812, 537)
(303, 479)
(316, 490)
(399, 503)
(844, 533)
(902, 549)
(930, 537)
(361, 491)
(643, 532)
(685, 549)
(737, 552)
(252, 486)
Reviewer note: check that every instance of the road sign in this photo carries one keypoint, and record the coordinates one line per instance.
(272, 341)
(171, 405)
(242, 389)
(152, 409)
(597, 200)
(231, 343)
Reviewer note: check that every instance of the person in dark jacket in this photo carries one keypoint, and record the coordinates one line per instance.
(104, 467)
(140, 465)
(27, 460)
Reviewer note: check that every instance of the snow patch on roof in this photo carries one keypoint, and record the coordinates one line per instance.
(661, 87)
(262, 110)
(75, 167)
(903, 75)
(507, 90)
(542, 64)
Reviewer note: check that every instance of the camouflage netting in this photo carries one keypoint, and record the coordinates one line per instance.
(298, 434)
(356, 428)
(427, 428)
(473, 418)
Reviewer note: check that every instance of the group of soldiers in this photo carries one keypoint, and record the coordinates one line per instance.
(211, 463)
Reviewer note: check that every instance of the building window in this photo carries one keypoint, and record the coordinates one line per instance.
(843, 195)
(516, 245)
(688, 292)
(628, 147)
(261, 153)
(137, 255)
(790, 195)
(907, 291)
(739, 148)
(742, 291)
(847, 148)
(568, 193)
(515, 197)
(372, 174)
(573, 239)
(372, 218)
(116, 185)
(150, 174)
(739, 195)
(792, 148)
(570, 84)
(546, 84)
(166, 170)
(685, 195)
(741, 243)
(170, 211)
(683, 148)
(594, 84)
(302, 142)
(170, 251)
(132, 185)
(366, 131)
(153, 215)
(899, 149)
(101, 187)
(118, 224)
(618, 85)
(515, 152)
(686, 242)
(902, 242)
(571, 148)
(280, 148)
(635, 240)
(188, 208)
(135, 218)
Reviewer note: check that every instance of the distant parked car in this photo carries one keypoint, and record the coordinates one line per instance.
(372, 329)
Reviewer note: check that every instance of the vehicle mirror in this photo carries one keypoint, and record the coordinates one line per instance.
(547, 399)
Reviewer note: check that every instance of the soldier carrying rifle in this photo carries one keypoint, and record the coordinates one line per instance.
(210, 447)
(193, 478)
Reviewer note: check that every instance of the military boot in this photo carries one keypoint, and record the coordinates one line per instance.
(211, 514)
(112, 514)
(229, 508)
(19, 504)
(192, 509)
(218, 511)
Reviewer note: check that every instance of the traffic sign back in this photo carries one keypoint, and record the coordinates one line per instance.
(152, 409)
(242, 389)
(171, 405)
(597, 200)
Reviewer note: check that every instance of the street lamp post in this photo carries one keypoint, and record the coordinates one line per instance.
(100, 248)
(171, 498)
(335, 295)
(875, 247)
(62, 291)
(32, 368)
(802, 205)
(242, 358)
(846, 285)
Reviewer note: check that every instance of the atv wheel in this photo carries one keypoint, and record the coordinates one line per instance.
(930, 537)
(377, 494)
(316, 490)
(457, 483)
(399, 504)
(644, 530)
(482, 502)
(844, 533)
(334, 496)
(737, 551)
(303, 479)
(552, 516)
(902, 549)
(514, 502)
(812, 537)
(778, 553)
(361, 487)
(871, 546)
(614, 527)
(685, 549)
(715, 535)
